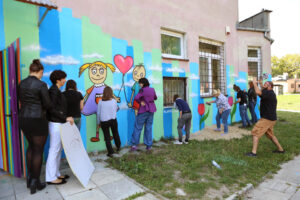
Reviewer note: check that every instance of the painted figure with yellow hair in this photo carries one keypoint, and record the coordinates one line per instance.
(97, 74)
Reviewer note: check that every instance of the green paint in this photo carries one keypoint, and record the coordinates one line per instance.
(175, 65)
(190, 99)
(94, 41)
(20, 21)
(158, 117)
(208, 121)
(138, 52)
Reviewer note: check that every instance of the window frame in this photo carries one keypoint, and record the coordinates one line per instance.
(257, 59)
(182, 38)
(210, 57)
(185, 89)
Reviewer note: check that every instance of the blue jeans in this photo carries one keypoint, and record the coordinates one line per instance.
(141, 120)
(252, 111)
(244, 115)
(224, 117)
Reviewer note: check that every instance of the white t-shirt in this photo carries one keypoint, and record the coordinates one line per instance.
(107, 110)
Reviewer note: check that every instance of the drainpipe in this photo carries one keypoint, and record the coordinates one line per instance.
(267, 37)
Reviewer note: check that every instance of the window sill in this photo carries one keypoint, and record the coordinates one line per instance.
(179, 59)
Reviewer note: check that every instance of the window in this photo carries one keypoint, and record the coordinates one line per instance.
(254, 63)
(172, 44)
(292, 85)
(172, 86)
(211, 64)
(299, 86)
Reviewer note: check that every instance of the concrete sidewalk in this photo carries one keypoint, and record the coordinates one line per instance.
(105, 184)
(284, 185)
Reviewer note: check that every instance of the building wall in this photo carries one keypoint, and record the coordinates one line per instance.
(82, 32)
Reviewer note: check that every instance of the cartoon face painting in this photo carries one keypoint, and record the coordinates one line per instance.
(97, 73)
(138, 73)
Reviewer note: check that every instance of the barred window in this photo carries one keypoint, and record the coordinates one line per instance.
(172, 86)
(211, 67)
(254, 63)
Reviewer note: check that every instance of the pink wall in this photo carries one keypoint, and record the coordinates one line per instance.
(143, 20)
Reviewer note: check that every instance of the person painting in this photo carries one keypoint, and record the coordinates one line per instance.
(74, 101)
(145, 98)
(34, 102)
(107, 119)
(138, 72)
(252, 102)
(97, 74)
(185, 118)
(268, 106)
(242, 100)
(223, 110)
(53, 176)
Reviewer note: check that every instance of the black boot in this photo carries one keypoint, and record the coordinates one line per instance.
(28, 180)
(36, 184)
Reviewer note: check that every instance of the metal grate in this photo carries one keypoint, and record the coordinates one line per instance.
(172, 86)
(254, 63)
(211, 67)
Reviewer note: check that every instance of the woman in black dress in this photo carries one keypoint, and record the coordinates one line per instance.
(34, 101)
(74, 101)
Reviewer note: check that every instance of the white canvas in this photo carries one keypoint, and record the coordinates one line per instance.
(78, 159)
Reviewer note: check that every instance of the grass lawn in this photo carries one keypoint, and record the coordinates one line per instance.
(190, 168)
(288, 102)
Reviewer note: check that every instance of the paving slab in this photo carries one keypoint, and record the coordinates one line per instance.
(12, 197)
(6, 188)
(121, 189)
(49, 193)
(106, 176)
(296, 196)
(94, 194)
(266, 194)
(73, 186)
(279, 185)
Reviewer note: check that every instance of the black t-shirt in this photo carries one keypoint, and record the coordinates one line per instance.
(73, 99)
(242, 95)
(268, 105)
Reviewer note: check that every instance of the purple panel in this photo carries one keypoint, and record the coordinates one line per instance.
(14, 111)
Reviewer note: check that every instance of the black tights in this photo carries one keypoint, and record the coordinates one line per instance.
(34, 155)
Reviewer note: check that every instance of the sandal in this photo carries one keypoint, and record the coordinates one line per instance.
(63, 181)
(64, 176)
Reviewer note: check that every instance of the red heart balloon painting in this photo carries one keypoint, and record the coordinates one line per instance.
(123, 64)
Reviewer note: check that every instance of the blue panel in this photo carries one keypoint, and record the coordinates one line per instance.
(214, 112)
(167, 122)
(165, 66)
(182, 74)
(70, 31)
(120, 47)
(49, 36)
(2, 35)
(194, 70)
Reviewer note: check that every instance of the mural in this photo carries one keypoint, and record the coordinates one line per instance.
(76, 45)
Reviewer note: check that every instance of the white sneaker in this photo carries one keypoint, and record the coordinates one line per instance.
(185, 142)
(177, 142)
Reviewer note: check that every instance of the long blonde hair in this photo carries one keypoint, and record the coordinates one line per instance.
(89, 65)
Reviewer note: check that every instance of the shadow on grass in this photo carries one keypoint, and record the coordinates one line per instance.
(190, 168)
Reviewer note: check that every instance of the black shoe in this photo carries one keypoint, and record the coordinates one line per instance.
(36, 185)
(110, 155)
(250, 154)
(242, 126)
(277, 151)
(28, 180)
(63, 181)
(118, 149)
(65, 177)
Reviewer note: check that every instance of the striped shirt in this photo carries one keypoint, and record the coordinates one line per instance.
(222, 102)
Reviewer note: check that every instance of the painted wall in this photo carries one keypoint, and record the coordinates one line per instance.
(79, 34)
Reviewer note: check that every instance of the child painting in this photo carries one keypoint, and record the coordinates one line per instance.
(97, 74)
(138, 72)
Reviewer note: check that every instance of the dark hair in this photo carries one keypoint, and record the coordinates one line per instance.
(57, 75)
(71, 84)
(145, 82)
(36, 66)
(175, 97)
(107, 94)
(236, 88)
(271, 84)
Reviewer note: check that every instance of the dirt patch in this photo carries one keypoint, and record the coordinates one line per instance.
(216, 194)
(209, 134)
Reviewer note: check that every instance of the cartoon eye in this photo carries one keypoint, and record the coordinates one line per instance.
(135, 72)
(101, 71)
(94, 71)
(141, 75)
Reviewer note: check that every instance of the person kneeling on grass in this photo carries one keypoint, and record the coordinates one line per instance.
(265, 125)
(106, 119)
(223, 110)
(185, 117)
